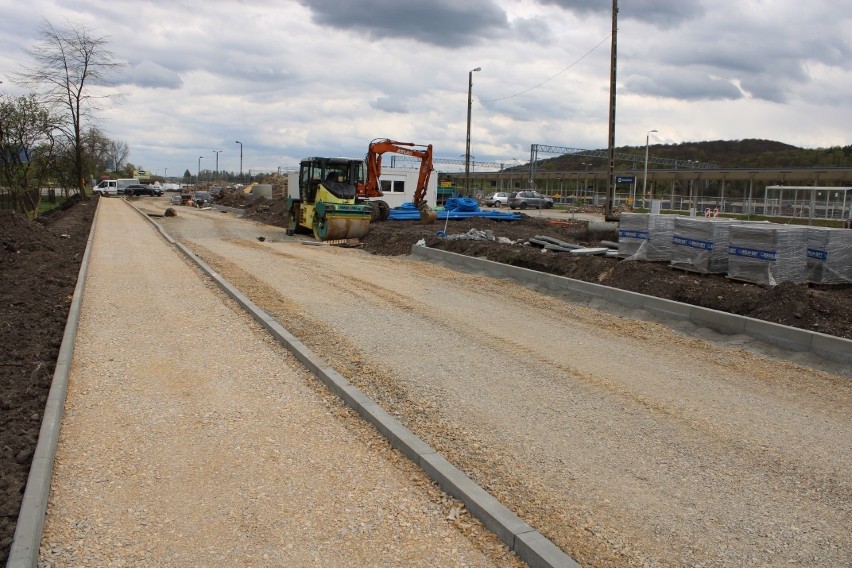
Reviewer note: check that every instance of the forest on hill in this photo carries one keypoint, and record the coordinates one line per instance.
(749, 153)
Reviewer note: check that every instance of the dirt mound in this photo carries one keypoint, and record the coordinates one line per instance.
(39, 264)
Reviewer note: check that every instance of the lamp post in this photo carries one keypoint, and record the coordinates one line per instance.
(585, 182)
(467, 145)
(217, 152)
(645, 179)
(198, 178)
(241, 158)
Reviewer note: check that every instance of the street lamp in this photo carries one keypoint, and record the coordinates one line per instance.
(198, 179)
(467, 146)
(645, 179)
(241, 158)
(585, 181)
(217, 152)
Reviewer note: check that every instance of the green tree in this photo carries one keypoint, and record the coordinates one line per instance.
(67, 63)
(27, 150)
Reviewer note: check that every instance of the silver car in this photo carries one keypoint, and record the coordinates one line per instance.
(529, 199)
(497, 199)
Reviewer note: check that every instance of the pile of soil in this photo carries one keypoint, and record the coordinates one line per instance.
(40, 261)
(39, 264)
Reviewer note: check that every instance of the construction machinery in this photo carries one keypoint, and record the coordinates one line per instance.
(328, 202)
(370, 189)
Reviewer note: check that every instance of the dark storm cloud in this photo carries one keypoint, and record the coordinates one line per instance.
(660, 13)
(750, 55)
(445, 23)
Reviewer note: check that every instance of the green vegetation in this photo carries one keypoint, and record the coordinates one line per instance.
(748, 153)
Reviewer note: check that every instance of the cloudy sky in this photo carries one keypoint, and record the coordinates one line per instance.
(295, 78)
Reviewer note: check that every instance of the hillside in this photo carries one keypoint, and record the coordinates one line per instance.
(749, 153)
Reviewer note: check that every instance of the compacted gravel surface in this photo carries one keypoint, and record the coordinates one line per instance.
(190, 438)
(624, 442)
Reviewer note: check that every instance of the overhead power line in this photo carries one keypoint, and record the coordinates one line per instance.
(554, 76)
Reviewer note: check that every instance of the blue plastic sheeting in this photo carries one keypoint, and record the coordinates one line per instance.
(456, 209)
(461, 204)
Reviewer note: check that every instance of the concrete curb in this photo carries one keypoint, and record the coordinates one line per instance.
(530, 545)
(28, 531)
(791, 338)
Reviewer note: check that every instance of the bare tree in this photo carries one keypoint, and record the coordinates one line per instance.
(68, 61)
(117, 152)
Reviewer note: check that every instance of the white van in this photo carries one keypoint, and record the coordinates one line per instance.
(114, 186)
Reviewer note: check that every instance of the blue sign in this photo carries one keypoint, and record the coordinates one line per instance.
(628, 234)
(817, 254)
(625, 179)
(692, 243)
(753, 253)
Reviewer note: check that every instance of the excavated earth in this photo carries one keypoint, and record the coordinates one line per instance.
(40, 261)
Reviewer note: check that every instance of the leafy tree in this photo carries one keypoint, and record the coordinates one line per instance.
(27, 150)
(68, 61)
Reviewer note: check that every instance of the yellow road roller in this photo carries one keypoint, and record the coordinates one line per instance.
(327, 202)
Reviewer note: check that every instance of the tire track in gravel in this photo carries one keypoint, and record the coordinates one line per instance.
(423, 415)
(574, 527)
(368, 291)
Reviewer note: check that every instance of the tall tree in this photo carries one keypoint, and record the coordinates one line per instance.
(67, 63)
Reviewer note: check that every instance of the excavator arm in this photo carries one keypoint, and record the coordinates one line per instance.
(381, 146)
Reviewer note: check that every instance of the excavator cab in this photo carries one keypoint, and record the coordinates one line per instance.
(327, 204)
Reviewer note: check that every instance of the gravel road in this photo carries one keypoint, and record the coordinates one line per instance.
(190, 438)
(623, 441)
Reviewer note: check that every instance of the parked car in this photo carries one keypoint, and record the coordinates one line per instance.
(202, 199)
(497, 199)
(176, 200)
(529, 199)
(139, 189)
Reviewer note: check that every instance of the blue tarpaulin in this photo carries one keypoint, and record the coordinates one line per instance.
(455, 209)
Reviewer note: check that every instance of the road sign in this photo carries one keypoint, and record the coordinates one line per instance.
(625, 179)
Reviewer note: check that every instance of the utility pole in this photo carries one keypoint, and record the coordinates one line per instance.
(241, 158)
(610, 192)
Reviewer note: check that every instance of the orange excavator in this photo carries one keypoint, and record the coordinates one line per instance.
(370, 190)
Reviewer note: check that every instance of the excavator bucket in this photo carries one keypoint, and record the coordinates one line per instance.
(427, 215)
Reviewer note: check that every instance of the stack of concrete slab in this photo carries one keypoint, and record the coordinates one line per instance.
(829, 259)
(701, 244)
(645, 236)
(767, 254)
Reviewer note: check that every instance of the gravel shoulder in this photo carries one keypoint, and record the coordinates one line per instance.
(623, 441)
(191, 438)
